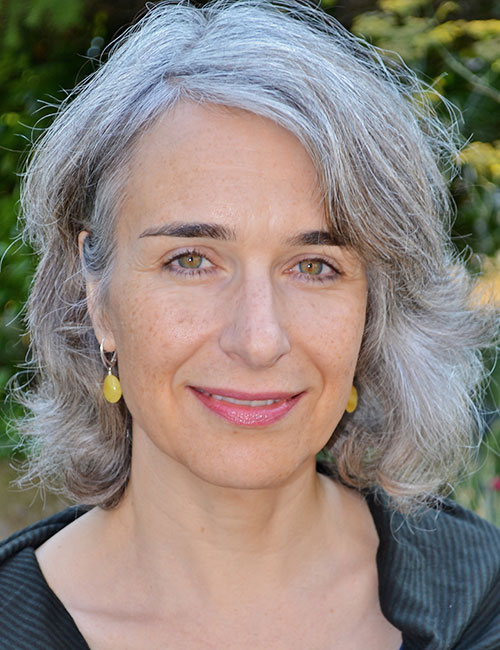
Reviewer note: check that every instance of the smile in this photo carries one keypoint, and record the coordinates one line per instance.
(245, 409)
(242, 402)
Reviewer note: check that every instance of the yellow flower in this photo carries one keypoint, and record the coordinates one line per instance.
(448, 32)
(402, 7)
(481, 29)
(484, 158)
(487, 288)
(495, 169)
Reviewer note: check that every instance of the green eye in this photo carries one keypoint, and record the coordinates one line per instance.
(311, 267)
(190, 261)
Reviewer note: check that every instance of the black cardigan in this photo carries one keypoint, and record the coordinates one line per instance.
(439, 579)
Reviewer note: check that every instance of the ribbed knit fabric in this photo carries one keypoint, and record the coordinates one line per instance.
(31, 615)
(439, 583)
(439, 577)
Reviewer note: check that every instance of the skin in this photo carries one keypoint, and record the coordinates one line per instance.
(226, 536)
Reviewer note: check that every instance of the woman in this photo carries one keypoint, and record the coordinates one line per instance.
(240, 223)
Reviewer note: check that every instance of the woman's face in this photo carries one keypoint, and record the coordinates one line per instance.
(236, 320)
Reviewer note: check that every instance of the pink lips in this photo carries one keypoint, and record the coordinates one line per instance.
(246, 415)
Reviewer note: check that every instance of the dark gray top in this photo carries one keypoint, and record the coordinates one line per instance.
(439, 580)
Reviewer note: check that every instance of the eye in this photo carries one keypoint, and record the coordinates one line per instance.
(312, 267)
(315, 269)
(190, 261)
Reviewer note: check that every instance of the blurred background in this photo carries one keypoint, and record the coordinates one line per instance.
(46, 46)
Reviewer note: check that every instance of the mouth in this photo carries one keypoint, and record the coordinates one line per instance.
(247, 409)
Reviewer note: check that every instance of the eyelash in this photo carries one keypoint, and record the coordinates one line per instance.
(196, 272)
(178, 270)
(327, 277)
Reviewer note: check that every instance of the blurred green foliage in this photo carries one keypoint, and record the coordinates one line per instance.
(455, 48)
(46, 46)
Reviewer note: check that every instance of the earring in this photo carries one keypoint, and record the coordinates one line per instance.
(111, 387)
(352, 402)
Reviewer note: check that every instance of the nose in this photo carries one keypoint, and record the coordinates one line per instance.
(253, 332)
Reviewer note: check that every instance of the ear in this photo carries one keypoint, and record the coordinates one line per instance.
(102, 329)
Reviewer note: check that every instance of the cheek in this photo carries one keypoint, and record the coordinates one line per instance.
(155, 333)
(333, 347)
(333, 329)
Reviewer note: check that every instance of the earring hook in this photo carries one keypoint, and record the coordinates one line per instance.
(108, 363)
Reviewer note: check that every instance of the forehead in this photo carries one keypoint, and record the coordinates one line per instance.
(214, 163)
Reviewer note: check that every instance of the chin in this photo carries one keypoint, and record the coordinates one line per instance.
(247, 473)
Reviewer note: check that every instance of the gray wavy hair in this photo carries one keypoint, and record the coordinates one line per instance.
(376, 145)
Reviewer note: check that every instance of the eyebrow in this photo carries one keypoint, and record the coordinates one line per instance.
(217, 231)
(313, 238)
(176, 229)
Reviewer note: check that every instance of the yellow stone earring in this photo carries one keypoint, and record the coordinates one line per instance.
(111, 388)
(352, 402)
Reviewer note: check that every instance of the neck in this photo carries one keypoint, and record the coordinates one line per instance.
(221, 541)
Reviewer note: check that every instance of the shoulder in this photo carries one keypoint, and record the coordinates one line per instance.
(31, 615)
(439, 576)
(36, 534)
